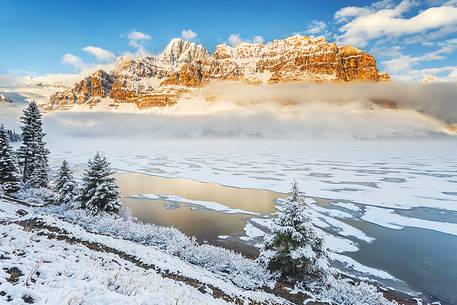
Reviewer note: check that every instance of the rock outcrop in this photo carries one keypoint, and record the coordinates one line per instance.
(99, 84)
(184, 66)
(5, 99)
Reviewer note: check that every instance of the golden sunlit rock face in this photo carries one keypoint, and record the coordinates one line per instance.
(183, 66)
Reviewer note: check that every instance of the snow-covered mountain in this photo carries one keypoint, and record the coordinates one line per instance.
(183, 66)
(180, 51)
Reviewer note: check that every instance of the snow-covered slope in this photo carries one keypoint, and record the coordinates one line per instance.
(47, 260)
(180, 51)
(52, 255)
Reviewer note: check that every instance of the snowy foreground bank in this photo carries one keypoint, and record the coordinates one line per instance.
(50, 255)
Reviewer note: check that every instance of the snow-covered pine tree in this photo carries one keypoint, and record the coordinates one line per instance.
(295, 250)
(65, 185)
(99, 191)
(10, 179)
(14, 137)
(33, 155)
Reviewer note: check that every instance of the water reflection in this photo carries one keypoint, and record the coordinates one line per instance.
(194, 220)
(253, 200)
(422, 258)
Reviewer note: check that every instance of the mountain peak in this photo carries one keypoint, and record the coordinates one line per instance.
(184, 66)
(179, 51)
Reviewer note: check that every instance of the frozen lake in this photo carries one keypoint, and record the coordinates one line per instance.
(387, 209)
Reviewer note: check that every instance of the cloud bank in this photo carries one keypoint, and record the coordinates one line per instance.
(367, 23)
(402, 36)
(283, 111)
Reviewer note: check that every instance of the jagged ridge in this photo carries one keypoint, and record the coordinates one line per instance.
(183, 65)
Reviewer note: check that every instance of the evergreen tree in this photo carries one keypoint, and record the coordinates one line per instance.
(14, 137)
(10, 179)
(65, 184)
(99, 191)
(294, 250)
(33, 155)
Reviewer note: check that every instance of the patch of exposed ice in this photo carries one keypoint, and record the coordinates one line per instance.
(331, 212)
(388, 218)
(252, 232)
(348, 206)
(210, 205)
(354, 265)
(145, 196)
(342, 228)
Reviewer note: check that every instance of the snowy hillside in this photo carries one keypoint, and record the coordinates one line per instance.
(48, 257)
(51, 261)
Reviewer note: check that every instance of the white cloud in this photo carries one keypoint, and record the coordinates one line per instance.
(446, 73)
(87, 68)
(31, 79)
(452, 74)
(134, 35)
(386, 51)
(382, 20)
(73, 60)
(403, 63)
(99, 53)
(403, 67)
(235, 39)
(344, 14)
(138, 39)
(258, 39)
(188, 34)
(316, 27)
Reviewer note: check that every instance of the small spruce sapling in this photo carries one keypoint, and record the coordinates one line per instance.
(294, 249)
(99, 191)
(65, 185)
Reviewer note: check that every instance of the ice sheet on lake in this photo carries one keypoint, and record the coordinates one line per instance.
(385, 174)
(389, 219)
(348, 206)
(252, 232)
(354, 265)
(366, 181)
(340, 227)
(145, 196)
(210, 205)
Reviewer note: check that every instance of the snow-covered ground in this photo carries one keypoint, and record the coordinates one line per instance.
(363, 192)
(76, 275)
(56, 255)
(352, 185)
(54, 262)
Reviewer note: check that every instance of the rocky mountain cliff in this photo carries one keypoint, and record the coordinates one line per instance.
(183, 66)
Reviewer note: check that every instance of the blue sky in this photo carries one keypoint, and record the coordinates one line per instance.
(410, 39)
